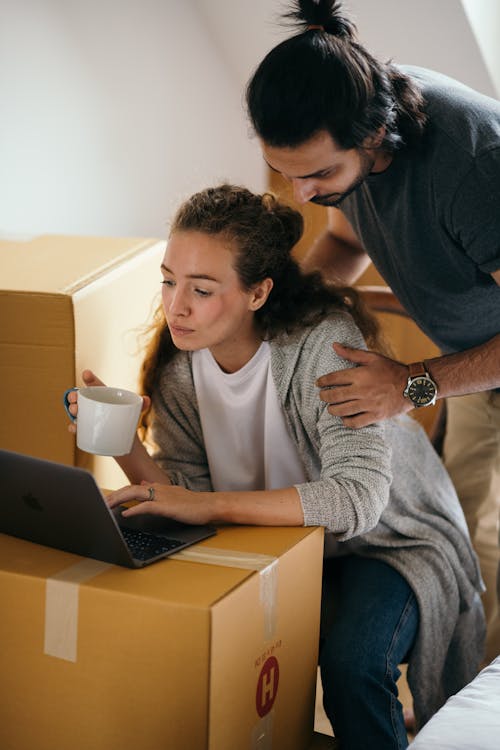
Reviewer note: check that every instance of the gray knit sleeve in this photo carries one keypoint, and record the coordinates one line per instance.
(352, 490)
(176, 428)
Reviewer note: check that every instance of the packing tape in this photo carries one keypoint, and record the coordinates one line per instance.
(61, 607)
(266, 565)
(262, 733)
(63, 589)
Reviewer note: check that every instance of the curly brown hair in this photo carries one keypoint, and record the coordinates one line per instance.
(262, 232)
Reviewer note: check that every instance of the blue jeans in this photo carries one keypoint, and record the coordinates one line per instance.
(369, 623)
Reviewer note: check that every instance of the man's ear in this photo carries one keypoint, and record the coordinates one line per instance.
(374, 140)
(259, 294)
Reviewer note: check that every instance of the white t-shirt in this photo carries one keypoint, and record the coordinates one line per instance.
(247, 441)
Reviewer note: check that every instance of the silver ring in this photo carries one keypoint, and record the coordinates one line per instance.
(151, 491)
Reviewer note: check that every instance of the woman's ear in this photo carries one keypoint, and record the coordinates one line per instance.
(259, 294)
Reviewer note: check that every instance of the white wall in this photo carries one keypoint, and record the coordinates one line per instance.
(484, 18)
(432, 33)
(111, 110)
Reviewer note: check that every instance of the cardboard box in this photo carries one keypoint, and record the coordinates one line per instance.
(66, 304)
(180, 655)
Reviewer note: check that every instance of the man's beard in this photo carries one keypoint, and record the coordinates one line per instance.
(335, 199)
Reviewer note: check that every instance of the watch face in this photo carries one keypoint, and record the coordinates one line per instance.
(421, 391)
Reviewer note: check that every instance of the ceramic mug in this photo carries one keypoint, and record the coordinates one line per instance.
(107, 419)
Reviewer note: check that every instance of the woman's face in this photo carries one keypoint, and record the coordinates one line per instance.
(204, 303)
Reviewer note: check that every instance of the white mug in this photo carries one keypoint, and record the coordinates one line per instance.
(107, 419)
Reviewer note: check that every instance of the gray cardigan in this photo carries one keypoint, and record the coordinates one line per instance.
(381, 491)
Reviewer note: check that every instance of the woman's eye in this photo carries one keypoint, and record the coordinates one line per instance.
(168, 282)
(203, 293)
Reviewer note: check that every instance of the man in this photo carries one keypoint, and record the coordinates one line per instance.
(407, 162)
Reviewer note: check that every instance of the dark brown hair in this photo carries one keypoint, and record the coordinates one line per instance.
(323, 79)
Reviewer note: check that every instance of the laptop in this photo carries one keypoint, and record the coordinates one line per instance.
(61, 506)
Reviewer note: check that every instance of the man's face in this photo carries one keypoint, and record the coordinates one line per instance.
(321, 172)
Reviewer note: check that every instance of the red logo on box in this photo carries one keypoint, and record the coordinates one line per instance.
(267, 686)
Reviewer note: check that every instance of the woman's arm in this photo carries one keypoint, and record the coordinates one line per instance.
(353, 486)
(354, 466)
(176, 428)
(138, 465)
(261, 508)
(180, 455)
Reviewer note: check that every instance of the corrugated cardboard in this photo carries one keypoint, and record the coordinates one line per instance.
(175, 656)
(66, 304)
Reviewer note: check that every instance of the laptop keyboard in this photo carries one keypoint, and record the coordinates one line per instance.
(143, 545)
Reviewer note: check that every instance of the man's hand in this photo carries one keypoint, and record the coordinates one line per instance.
(368, 393)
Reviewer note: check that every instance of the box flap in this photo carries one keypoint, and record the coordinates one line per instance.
(175, 581)
(63, 264)
(168, 581)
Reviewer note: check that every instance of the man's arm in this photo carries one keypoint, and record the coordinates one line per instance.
(472, 370)
(337, 253)
(374, 390)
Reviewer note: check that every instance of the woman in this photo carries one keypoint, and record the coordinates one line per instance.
(242, 437)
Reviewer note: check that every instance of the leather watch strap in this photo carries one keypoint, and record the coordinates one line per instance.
(417, 369)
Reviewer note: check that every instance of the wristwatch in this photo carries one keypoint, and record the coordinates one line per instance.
(420, 389)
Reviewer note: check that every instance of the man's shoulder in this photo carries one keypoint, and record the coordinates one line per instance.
(459, 117)
(437, 84)
(446, 98)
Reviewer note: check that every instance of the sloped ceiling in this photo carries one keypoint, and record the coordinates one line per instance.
(428, 33)
(484, 18)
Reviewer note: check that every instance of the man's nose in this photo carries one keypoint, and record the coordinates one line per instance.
(303, 190)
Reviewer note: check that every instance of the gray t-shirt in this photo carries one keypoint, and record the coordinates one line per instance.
(431, 221)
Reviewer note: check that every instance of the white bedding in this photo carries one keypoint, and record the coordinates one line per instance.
(469, 720)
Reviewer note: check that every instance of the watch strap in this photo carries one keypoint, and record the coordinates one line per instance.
(417, 369)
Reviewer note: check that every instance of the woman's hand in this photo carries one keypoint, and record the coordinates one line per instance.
(165, 500)
(88, 378)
